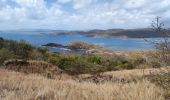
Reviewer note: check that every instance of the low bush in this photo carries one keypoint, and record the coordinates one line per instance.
(92, 64)
(74, 64)
(22, 50)
(138, 61)
(123, 65)
(6, 54)
(95, 59)
(162, 80)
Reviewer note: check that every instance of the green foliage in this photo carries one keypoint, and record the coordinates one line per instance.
(42, 50)
(124, 65)
(23, 50)
(1, 42)
(54, 58)
(36, 55)
(138, 61)
(74, 64)
(92, 64)
(48, 74)
(71, 63)
(5, 54)
(95, 59)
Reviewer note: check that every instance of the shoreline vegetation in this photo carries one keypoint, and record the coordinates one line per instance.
(35, 73)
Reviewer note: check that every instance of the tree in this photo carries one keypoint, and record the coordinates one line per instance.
(162, 45)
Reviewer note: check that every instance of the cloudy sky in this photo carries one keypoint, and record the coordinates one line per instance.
(81, 14)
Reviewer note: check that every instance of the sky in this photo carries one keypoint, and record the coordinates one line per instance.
(81, 14)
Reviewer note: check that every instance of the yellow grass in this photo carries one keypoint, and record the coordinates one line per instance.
(129, 74)
(17, 86)
(132, 74)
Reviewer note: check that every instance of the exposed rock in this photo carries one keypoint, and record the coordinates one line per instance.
(78, 45)
(73, 46)
(54, 45)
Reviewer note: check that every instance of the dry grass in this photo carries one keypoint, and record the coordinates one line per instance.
(36, 67)
(17, 86)
(130, 74)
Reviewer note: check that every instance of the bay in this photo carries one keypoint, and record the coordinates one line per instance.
(115, 44)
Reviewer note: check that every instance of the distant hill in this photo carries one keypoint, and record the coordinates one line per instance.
(109, 33)
(127, 33)
(113, 33)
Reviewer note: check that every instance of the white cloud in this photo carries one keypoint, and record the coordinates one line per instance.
(77, 4)
(30, 3)
(64, 1)
(81, 14)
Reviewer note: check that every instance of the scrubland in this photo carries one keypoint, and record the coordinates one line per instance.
(30, 73)
(19, 86)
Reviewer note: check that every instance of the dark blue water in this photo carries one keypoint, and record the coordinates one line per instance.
(37, 39)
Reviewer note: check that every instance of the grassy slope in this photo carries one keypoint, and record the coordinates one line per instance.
(18, 86)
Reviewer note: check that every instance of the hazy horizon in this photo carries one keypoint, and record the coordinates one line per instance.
(37, 29)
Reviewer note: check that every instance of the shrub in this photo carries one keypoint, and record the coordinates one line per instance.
(155, 64)
(136, 62)
(95, 59)
(48, 74)
(24, 49)
(5, 54)
(36, 55)
(124, 65)
(21, 49)
(76, 64)
(161, 80)
(73, 65)
(81, 45)
(1, 42)
(92, 64)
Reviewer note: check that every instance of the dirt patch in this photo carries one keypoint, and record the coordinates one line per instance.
(31, 66)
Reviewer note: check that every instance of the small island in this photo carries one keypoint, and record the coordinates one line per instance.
(77, 45)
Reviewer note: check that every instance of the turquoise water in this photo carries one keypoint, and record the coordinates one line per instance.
(116, 44)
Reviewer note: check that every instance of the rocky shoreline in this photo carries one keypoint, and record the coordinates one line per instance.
(54, 45)
(75, 46)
